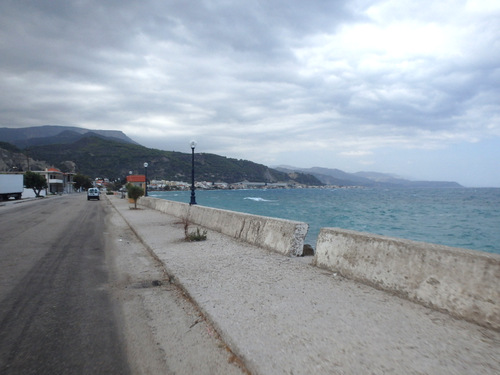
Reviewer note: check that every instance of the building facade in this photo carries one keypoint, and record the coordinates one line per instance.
(137, 179)
(58, 182)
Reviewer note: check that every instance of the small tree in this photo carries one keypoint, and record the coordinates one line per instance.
(35, 181)
(81, 181)
(134, 192)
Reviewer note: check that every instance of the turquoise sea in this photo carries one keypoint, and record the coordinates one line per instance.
(464, 217)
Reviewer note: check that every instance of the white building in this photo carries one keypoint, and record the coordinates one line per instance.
(58, 182)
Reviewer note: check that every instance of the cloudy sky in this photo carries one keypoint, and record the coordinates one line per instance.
(399, 86)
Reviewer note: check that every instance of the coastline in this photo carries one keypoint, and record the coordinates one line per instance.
(458, 217)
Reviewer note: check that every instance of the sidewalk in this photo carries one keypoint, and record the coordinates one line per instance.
(281, 315)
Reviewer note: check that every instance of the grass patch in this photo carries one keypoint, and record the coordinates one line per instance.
(197, 235)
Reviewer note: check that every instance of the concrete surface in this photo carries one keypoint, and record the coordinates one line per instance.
(465, 283)
(280, 235)
(281, 315)
(164, 332)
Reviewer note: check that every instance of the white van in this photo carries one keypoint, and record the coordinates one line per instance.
(93, 193)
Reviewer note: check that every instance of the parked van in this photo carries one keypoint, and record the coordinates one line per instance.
(93, 193)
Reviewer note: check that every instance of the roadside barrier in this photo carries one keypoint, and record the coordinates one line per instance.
(465, 283)
(280, 235)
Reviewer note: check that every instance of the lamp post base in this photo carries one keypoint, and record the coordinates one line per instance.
(193, 198)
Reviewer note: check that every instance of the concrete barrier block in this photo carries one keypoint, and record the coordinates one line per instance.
(465, 283)
(176, 209)
(283, 236)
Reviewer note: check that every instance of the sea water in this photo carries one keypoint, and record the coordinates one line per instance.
(462, 217)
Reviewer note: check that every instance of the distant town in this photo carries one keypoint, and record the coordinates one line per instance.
(206, 185)
(165, 185)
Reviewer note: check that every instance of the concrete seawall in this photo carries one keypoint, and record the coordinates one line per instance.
(465, 283)
(280, 315)
(283, 236)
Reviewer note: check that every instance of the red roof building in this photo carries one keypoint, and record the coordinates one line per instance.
(137, 179)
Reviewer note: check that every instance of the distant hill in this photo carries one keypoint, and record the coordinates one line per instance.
(369, 179)
(54, 134)
(96, 156)
(111, 154)
(13, 159)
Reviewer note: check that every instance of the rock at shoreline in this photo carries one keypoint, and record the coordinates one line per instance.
(308, 250)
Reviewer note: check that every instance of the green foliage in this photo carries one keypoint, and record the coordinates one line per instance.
(82, 181)
(134, 192)
(97, 157)
(116, 185)
(35, 181)
(9, 147)
(197, 235)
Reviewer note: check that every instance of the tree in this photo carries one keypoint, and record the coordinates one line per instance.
(116, 185)
(35, 181)
(134, 192)
(81, 181)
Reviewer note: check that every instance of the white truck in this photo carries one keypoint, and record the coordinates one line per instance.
(11, 186)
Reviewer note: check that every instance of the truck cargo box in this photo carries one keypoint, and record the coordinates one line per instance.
(11, 186)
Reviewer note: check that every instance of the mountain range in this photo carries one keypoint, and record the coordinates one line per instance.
(54, 134)
(369, 179)
(111, 154)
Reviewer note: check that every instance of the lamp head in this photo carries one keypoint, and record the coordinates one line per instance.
(192, 144)
(145, 165)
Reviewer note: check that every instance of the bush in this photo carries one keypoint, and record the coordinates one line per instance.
(197, 235)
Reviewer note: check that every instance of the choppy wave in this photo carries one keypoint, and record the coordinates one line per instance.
(258, 199)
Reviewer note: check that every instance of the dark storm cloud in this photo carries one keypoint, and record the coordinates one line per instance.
(275, 76)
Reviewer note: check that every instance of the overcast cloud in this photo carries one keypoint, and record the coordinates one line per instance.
(404, 87)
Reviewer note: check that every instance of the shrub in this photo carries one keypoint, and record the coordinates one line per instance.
(134, 192)
(197, 235)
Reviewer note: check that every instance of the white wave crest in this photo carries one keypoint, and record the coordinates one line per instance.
(257, 199)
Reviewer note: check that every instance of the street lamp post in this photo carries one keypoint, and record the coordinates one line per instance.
(146, 179)
(193, 197)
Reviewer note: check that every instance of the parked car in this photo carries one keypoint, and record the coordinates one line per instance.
(93, 193)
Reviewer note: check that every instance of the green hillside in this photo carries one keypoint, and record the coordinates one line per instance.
(98, 157)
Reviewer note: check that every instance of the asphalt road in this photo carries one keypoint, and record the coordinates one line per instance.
(81, 294)
(56, 314)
